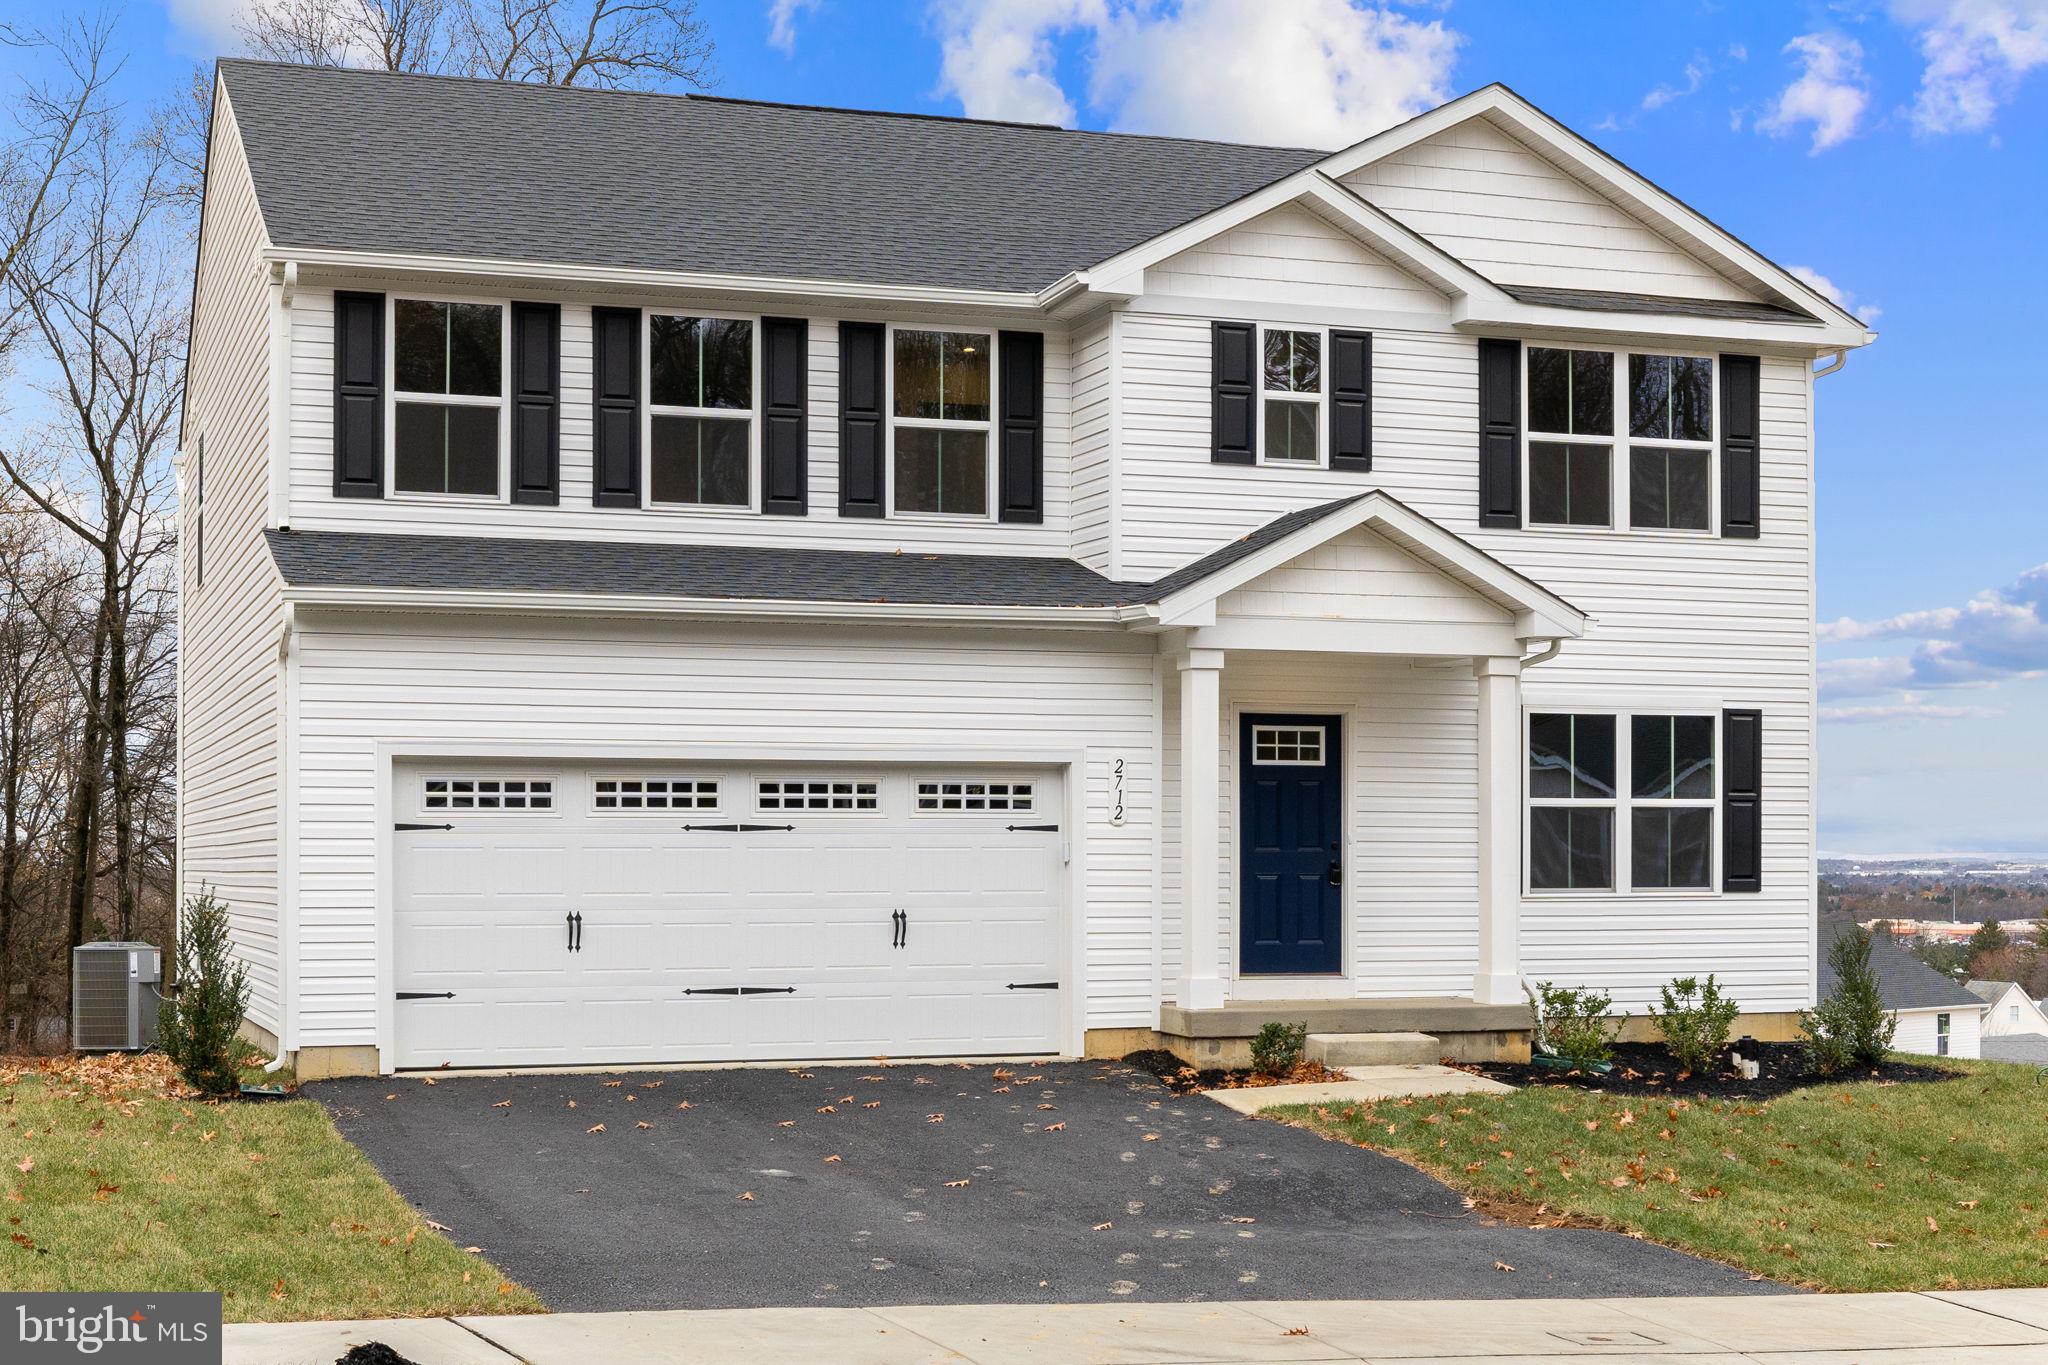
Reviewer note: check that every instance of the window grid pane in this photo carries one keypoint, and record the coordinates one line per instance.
(656, 793)
(808, 794)
(1288, 745)
(489, 793)
(975, 796)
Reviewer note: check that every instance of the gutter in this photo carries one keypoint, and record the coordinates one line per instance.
(622, 604)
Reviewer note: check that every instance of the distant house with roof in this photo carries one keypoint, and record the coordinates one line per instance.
(2009, 1010)
(1937, 1017)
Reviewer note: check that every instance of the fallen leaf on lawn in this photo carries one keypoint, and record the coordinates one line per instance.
(594, 1128)
(25, 1165)
(1628, 1116)
(1592, 1125)
(1933, 1226)
(1502, 1265)
(1879, 1246)
(465, 1277)
(504, 1286)
(438, 1227)
(956, 1184)
(22, 1240)
(502, 1104)
(474, 1251)
(1966, 1203)
(1102, 1227)
(746, 1197)
(257, 1156)
(103, 1191)
(277, 1290)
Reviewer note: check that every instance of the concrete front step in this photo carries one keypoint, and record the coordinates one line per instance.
(1373, 1049)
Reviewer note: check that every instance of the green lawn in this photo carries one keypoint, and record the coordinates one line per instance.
(106, 1184)
(1840, 1187)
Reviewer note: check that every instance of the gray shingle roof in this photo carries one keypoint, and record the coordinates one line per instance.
(377, 161)
(1607, 301)
(1904, 981)
(746, 573)
(2016, 1047)
(1987, 991)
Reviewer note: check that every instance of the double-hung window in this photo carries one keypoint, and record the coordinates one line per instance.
(448, 397)
(1291, 397)
(1653, 831)
(700, 414)
(940, 404)
(1619, 438)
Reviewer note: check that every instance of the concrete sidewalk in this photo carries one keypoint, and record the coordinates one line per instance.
(1988, 1327)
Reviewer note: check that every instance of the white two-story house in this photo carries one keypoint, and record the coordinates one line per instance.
(678, 579)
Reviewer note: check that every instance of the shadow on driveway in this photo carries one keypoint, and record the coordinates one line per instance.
(1060, 1183)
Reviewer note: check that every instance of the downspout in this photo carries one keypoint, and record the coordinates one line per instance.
(1543, 655)
(287, 840)
(1841, 358)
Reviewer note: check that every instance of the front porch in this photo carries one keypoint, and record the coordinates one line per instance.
(1343, 726)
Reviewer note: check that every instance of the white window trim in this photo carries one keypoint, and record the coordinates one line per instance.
(881, 795)
(1321, 760)
(988, 428)
(1624, 804)
(1621, 444)
(1320, 399)
(393, 398)
(642, 812)
(649, 410)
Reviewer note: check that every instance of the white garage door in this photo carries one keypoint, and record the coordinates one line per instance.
(556, 916)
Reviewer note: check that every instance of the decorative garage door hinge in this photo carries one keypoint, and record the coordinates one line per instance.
(733, 829)
(740, 990)
(1033, 829)
(402, 826)
(1033, 986)
(426, 995)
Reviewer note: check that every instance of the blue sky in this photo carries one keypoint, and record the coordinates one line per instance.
(1898, 148)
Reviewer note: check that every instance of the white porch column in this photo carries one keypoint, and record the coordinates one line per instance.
(1201, 742)
(1499, 978)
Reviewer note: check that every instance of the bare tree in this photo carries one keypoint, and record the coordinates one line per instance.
(612, 44)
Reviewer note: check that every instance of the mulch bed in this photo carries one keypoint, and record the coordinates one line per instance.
(1183, 1079)
(1647, 1069)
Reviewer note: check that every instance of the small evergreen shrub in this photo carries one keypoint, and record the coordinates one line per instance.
(199, 1027)
(1851, 1025)
(1277, 1048)
(1696, 1020)
(1575, 1024)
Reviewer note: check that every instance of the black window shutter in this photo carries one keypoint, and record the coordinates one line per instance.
(1742, 487)
(1233, 369)
(785, 416)
(1742, 782)
(615, 407)
(536, 403)
(1351, 401)
(1021, 454)
(358, 395)
(1500, 432)
(861, 357)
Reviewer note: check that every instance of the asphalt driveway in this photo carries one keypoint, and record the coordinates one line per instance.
(858, 1186)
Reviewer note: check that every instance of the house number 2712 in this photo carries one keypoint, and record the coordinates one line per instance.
(1116, 792)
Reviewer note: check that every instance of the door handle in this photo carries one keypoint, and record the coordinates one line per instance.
(1336, 873)
(576, 931)
(569, 920)
(899, 928)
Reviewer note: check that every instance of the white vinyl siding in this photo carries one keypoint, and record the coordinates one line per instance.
(1517, 218)
(1918, 1032)
(369, 680)
(228, 716)
(314, 507)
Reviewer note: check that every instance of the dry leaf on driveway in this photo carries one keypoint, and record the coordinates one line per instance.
(502, 1104)
(1502, 1265)
(1055, 1127)
(594, 1128)
(956, 1184)
(746, 1197)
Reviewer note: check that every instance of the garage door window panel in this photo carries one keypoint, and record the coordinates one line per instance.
(968, 796)
(629, 794)
(488, 794)
(842, 796)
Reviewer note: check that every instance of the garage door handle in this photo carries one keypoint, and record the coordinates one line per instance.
(1033, 986)
(426, 995)
(901, 920)
(733, 829)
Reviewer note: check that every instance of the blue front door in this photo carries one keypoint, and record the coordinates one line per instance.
(1291, 829)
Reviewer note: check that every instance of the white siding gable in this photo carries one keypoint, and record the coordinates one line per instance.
(1291, 256)
(1518, 218)
(1358, 576)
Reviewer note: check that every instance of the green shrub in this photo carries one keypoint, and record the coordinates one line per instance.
(1575, 1024)
(1277, 1049)
(1851, 1025)
(199, 1027)
(1696, 1020)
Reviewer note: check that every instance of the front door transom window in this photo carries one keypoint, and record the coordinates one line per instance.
(1288, 745)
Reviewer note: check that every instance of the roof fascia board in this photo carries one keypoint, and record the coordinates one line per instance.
(1513, 317)
(625, 604)
(585, 276)
(1692, 228)
(1411, 531)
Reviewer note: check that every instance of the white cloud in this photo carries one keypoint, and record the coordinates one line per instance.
(1977, 51)
(1696, 72)
(209, 23)
(1835, 294)
(782, 16)
(1911, 708)
(1320, 73)
(1831, 93)
(1997, 635)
